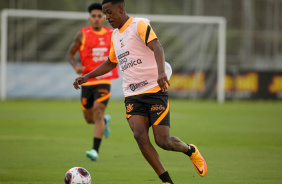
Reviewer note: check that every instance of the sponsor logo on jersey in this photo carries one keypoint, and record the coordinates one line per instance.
(133, 87)
(125, 64)
(123, 54)
(99, 54)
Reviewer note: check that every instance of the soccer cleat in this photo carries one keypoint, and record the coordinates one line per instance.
(93, 155)
(107, 130)
(199, 162)
(166, 183)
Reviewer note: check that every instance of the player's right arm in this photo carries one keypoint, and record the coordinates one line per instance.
(72, 50)
(104, 68)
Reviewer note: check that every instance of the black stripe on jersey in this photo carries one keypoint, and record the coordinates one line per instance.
(147, 34)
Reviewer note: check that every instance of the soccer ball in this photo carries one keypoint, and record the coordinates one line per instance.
(77, 175)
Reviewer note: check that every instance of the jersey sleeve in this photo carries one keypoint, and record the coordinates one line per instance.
(146, 32)
(112, 54)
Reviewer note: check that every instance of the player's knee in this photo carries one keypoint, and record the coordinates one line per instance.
(140, 138)
(98, 112)
(88, 119)
(137, 135)
(88, 116)
(163, 143)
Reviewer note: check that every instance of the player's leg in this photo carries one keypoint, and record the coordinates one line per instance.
(167, 142)
(171, 143)
(140, 128)
(139, 124)
(99, 126)
(98, 129)
(87, 103)
(158, 106)
(88, 116)
(159, 113)
(87, 100)
(101, 96)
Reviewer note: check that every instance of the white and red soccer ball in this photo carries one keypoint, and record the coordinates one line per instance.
(77, 175)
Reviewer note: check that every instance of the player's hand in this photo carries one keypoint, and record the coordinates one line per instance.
(79, 69)
(78, 81)
(163, 81)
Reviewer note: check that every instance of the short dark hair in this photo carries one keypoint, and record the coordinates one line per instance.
(94, 6)
(112, 1)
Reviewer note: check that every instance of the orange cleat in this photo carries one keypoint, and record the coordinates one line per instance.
(199, 162)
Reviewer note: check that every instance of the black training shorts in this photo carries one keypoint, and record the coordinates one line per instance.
(152, 105)
(89, 94)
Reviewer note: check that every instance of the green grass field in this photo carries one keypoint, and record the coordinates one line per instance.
(41, 139)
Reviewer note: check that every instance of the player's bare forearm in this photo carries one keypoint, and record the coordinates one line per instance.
(158, 50)
(78, 68)
(71, 60)
(104, 68)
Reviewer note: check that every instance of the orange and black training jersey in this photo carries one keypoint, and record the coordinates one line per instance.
(94, 50)
(136, 60)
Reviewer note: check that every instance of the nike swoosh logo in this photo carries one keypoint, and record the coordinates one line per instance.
(201, 172)
(158, 113)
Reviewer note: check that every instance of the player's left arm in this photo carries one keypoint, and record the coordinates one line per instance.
(150, 38)
(158, 50)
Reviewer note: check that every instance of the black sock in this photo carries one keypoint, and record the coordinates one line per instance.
(165, 177)
(191, 150)
(96, 144)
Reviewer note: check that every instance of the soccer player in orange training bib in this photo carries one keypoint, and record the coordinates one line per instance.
(136, 48)
(93, 43)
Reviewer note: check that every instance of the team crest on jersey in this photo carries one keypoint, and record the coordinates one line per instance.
(129, 107)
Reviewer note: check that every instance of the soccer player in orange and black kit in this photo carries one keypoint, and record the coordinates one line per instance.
(93, 43)
(135, 48)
